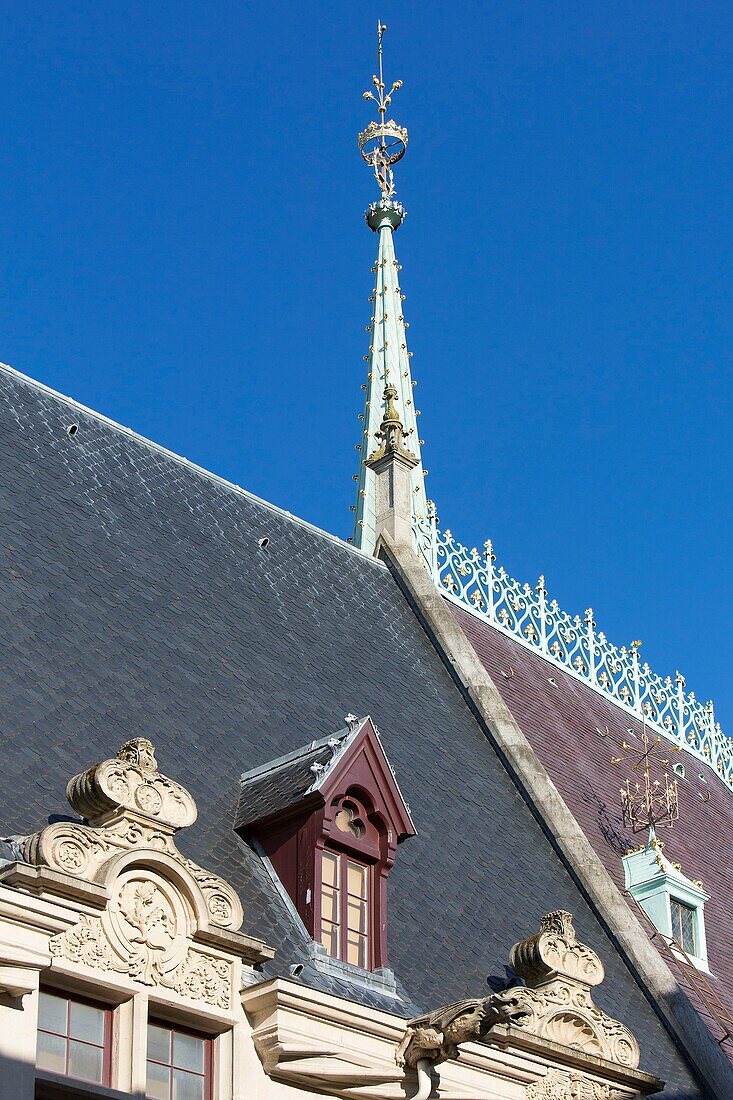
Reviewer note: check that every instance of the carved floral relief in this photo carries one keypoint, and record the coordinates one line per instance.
(554, 1004)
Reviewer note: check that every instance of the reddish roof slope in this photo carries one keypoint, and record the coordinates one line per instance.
(575, 731)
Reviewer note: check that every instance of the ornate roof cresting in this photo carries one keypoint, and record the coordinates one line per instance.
(573, 643)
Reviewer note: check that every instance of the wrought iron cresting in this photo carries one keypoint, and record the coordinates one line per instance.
(472, 580)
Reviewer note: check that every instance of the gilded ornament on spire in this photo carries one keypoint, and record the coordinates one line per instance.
(383, 143)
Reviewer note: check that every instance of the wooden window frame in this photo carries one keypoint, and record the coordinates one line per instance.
(367, 851)
(208, 1041)
(345, 859)
(108, 1016)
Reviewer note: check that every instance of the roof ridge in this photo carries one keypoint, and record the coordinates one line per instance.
(573, 644)
(201, 471)
(290, 757)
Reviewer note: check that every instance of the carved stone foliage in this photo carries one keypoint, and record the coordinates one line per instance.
(159, 901)
(128, 806)
(558, 1085)
(555, 1004)
(556, 950)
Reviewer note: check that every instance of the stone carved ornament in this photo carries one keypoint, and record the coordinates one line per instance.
(559, 1085)
(555, 1004)
(158, 899)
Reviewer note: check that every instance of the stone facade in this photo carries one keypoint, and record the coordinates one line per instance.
(107, 908)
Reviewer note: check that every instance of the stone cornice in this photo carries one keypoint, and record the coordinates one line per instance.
(316, 1041)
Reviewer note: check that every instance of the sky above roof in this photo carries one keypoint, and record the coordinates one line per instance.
(184, 250)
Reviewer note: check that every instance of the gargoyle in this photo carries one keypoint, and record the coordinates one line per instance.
(437, 1035)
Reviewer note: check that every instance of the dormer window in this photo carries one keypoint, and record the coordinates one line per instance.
(329, 817)
(673, 902)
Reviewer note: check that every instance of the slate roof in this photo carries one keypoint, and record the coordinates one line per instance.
(135, 600)
(575, 731)
(286, 780)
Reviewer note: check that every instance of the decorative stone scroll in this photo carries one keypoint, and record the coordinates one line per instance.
(554, 1006)
(556, 1002)
(167, 922)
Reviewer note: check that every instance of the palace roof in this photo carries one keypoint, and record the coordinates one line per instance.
(137, 600)
(576, 732)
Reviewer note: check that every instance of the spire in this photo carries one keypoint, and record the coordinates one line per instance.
(390, 445)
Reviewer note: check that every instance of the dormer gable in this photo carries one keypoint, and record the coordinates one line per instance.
(329, 817)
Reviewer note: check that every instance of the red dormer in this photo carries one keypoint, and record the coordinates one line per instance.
(329, 817)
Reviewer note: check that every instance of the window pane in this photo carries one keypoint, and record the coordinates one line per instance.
(357, 951)
(683, 925)
(51, 1053)
(188, 1052)
(330, 868)
(159, 1082)
(329, 905)
(87, 1023)
(356, 883)
(357, 916)
(52, 1013)
(85, 1061)
(159, 1043)
(330, 939)
(186, 1086)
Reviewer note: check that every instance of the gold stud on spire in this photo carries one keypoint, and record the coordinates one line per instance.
(383, 143)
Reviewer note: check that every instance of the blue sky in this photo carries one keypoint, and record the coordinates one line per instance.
(183, 249)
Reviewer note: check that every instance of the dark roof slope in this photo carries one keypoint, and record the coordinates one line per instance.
(135, 600)
(284, 781)
(575, 731)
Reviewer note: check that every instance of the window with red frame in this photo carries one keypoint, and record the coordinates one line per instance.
(74, 1038)
(347, 891)
(345, 909)
(179, 1064)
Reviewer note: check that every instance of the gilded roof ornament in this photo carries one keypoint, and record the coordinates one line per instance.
(383, 142)
(651, 799)
(391, 433)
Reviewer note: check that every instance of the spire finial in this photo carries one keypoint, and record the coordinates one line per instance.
(391, 432)
(383, 143)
